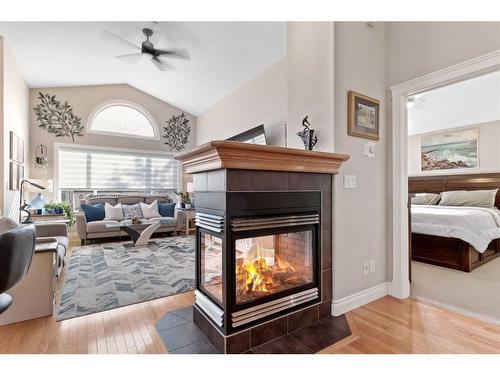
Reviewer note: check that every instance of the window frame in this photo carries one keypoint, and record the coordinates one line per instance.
(58, 145)
(124, 103)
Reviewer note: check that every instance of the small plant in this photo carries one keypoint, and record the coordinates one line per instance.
(57, 118)
(185, 197)
(57, 207)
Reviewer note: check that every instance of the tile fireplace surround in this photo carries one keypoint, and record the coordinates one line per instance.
(264, 252)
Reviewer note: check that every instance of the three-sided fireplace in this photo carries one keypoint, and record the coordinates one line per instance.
(258, 260)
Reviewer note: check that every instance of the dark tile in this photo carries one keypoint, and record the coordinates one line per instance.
(237, 180)
(325, 309)
(177, 337)
(170, 320)
(238, 343)
(212, 333)
(211, 200)
(200, 181)
(268, 331)
(326, 249)
(268, 180)
(283, 345)
(326, 285)
(185, 313)
(340, 323)
(318, 336)
(326, 210)
(216, 180)
(302, 318)
(201, 347)
(309, 181)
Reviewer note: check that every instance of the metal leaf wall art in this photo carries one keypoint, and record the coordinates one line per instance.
(177, 132)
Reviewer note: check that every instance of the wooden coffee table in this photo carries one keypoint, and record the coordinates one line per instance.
(139, 233)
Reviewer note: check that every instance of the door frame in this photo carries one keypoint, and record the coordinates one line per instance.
(490, 62)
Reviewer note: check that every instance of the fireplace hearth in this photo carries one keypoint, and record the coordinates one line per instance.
(263, 241)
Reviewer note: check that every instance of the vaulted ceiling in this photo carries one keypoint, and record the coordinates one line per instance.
(223, 56)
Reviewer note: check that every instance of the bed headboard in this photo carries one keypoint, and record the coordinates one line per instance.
(437, 184)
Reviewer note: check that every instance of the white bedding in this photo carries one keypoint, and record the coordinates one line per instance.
(477, 226)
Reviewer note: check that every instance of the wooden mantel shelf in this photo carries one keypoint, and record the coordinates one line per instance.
(237, 155)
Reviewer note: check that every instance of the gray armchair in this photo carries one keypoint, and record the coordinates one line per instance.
(17, 246)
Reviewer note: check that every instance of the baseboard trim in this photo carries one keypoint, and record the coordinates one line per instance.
(343, 305)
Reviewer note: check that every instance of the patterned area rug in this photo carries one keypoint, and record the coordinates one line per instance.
(110, 275)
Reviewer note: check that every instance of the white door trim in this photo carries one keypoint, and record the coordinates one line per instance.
(490, 62)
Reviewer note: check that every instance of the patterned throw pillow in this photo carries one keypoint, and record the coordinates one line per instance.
(131, 211)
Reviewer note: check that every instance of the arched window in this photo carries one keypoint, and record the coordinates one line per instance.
(123, 119)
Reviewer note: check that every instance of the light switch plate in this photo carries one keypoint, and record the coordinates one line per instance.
(369, 149)
(349, 181)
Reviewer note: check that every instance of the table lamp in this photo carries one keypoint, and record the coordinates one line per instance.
(25, 207)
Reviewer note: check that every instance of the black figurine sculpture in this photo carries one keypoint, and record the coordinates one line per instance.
(307, 135)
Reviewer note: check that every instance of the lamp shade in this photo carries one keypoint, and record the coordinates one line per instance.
(190, 187)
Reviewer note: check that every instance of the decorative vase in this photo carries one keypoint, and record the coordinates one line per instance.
(187, 206)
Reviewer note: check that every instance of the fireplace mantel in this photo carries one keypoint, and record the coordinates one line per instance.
(237, 155)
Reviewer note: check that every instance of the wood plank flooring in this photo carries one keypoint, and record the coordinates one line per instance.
(387, 325)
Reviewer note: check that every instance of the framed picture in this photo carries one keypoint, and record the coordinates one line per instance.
(363, 116)
(13, 177)
(16, 148)
(450, 150)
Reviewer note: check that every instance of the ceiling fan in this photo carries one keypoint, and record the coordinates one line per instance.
(147, 48)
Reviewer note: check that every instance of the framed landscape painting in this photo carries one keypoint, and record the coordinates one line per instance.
(363, 116)
(450, 150)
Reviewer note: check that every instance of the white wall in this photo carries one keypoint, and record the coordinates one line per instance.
(310, 81)
(84, 100)
(15, 117)
(489, 151)
(418, 48)
(360, 215)
(260, 101)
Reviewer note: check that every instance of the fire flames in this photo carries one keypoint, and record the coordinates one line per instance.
(257, 278)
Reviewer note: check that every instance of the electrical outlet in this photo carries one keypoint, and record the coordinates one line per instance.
(372, 265)
(349, 181)
(366, 268)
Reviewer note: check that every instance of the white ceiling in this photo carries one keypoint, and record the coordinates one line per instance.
(469, 102)
(224, 56)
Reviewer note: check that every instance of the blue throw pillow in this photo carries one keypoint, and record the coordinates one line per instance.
(166, 209)
(93, 212)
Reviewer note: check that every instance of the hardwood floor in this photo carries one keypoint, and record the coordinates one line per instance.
(387, 325)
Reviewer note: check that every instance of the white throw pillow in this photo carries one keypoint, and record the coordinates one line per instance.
(425, 198)
(150, 211)
(113, 212)
(474, 198)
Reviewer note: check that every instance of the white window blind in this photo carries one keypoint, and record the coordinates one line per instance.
(96, 169)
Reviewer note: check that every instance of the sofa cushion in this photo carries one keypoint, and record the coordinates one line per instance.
(166, 209)
(132, 210)
(150, 210)
(93, 212)
(133, 199)
(7, 224)
(100, 226)
(103, 200)
(113, 213)
(160, 198)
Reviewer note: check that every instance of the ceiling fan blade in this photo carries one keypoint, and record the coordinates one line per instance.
(161, 65)
(113, 38)
(181, 54)
(131, 57)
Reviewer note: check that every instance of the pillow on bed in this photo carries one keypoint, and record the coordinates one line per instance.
(473, 198)
(425, 198)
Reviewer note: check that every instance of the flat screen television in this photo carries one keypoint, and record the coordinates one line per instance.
(255, 135)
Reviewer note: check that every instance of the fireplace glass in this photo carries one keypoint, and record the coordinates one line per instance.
(272, 264)
(211, 265)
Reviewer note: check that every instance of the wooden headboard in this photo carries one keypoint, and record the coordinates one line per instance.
(437, 184)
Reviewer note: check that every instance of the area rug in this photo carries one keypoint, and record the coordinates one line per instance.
(106, 276)
(475, 294)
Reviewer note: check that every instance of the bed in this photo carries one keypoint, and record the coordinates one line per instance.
(460, 238)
